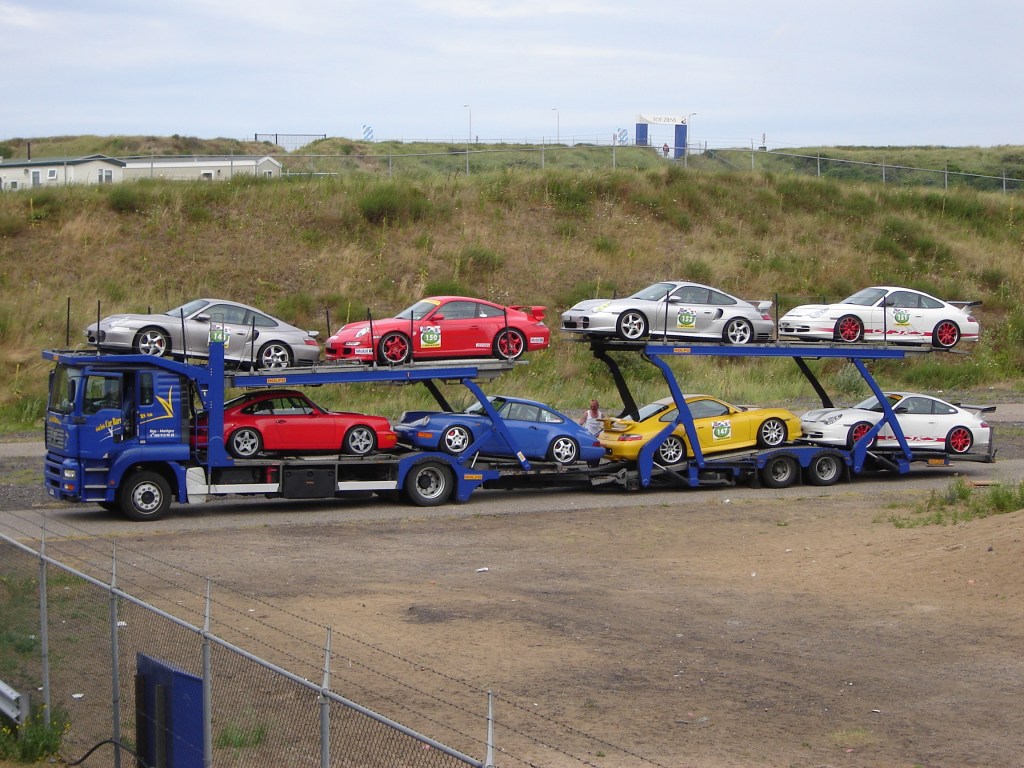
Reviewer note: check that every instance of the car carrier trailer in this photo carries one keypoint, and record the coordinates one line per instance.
(778, 467)
(121, 432)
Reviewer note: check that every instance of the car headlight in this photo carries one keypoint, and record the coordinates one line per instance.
(362, 332)
(832, 419)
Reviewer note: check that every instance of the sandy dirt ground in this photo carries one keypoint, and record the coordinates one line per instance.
(718, 627)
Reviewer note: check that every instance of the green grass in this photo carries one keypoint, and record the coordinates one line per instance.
(35, 740)
(234, 736)
(367, 239)
(960, 503)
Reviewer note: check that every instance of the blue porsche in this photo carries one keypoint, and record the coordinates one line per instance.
(538, 431)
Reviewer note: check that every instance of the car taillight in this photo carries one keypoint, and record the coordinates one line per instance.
(766, 316)
(311, 343)
(984, 425)
(628, 438)
(970, 318)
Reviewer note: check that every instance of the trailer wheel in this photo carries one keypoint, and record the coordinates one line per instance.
(145, 496)
(429, 484)
(779, 472)
(825, 469)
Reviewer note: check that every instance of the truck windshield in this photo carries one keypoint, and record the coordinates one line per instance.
(64, 385)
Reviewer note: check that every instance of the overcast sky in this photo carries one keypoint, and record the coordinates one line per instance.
(801, 72)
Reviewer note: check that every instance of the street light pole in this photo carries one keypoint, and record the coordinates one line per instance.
(558, 125)
(469, 141)
(686, 148)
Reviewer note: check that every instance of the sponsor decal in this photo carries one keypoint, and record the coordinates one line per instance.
(277, 380)
(430, 337)
(901, 317)
(472, 477)
(686, 319)
(109, 424)
(536, 339)
(481, 345)
(721, 430)
(364, 351)
(681, 350)
(601, 307)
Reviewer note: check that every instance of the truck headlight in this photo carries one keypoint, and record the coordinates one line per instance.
(70, 474)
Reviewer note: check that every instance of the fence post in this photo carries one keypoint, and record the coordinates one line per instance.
(489, 760)
(115, 664)
(325, 708)
(207, 686)
(44, 632)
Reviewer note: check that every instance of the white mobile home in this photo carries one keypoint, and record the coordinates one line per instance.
(201, 167)
(53, 172)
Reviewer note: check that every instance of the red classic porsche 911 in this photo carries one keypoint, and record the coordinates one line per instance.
(286, 421)
(443, 327)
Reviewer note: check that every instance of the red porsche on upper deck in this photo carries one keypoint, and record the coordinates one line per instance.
(443, 327)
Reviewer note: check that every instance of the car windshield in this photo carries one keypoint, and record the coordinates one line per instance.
(187, 309)
(417, 311)
(871, 404)
(654, 292)
(865, 298)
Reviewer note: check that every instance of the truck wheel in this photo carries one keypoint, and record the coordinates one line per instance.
(429, 484)
(779, 472)
(145, 496)
(825, 469)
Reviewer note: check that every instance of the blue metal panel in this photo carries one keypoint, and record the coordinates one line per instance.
(641, 134)
(680, 147)
(184, 712)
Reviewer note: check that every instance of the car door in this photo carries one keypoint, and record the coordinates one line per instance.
(523, 422)
(454, 327)
(718, 429)
(690, 311)
(290, 423)
(905, 320)
(231, 318)
(919, 423)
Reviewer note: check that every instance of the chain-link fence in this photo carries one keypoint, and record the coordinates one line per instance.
(77, 611)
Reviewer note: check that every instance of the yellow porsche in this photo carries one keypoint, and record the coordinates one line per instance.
(720, 427)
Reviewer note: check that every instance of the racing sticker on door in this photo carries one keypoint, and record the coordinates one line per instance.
(721, 430)
(686, 319)
(901, 317)
(430, 337)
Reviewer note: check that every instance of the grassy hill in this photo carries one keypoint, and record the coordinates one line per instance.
(345, 243)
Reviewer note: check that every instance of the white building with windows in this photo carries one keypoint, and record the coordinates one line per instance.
(55, 172)
(201, 167)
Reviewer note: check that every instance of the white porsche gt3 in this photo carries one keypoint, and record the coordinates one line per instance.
(884, 313)
(926, 422)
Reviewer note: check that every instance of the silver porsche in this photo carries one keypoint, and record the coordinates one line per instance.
(674, 309)
(251, 337)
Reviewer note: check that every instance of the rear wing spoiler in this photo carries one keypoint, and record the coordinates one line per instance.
(976, 408)
(965, 305)
(535, 313)
(764, 306)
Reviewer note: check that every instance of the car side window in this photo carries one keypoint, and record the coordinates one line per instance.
(903, 299)
(458, 310)
(486, 310)
(691, 294)
(260, 320)
(550, 418)
(703, 409)
(225, 313)
(915, 405)
(929, 303)
(720, 299)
